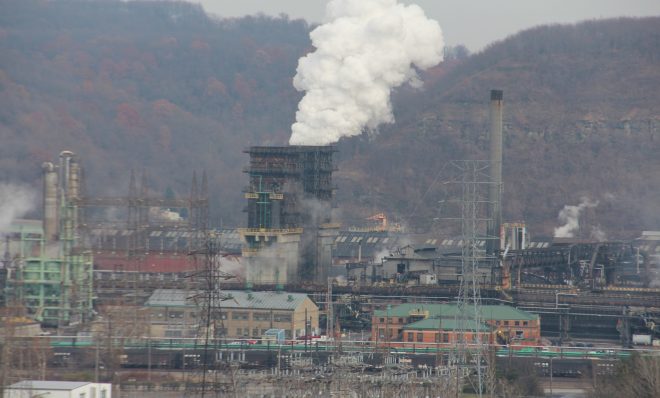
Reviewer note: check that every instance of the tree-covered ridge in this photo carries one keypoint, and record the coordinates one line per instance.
(581, 119)
(153, 85)
(163, 87)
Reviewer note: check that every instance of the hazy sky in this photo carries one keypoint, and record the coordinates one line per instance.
(474, 23)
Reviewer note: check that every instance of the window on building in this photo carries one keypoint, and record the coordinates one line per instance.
(400, 320)
(242, 316)
(497, 323)
(82, 395)
(173, 333)
(261, 316)
(239, 331)
(282, 318)
(445, 337)
(255, 332)
(517, 323)
(104, 394)
(382, 320)
(525, 323)
(411, 336)
(506, 323)
(437, 337)
(519, 334)
(381, 333)
(420, 337)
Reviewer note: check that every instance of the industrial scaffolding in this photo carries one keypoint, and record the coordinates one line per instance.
(289, 213)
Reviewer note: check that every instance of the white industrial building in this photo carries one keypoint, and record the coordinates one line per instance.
(58, 389)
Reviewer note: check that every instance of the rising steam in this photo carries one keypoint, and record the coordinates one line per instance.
(569, 216)
(368, 48)
(15, 202)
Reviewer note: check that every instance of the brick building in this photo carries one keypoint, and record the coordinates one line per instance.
(437, 323)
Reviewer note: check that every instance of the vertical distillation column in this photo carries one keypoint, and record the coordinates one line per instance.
(50, 202)
(67, 218)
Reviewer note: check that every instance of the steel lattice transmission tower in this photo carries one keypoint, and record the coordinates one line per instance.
(209, 300)
(467, 361)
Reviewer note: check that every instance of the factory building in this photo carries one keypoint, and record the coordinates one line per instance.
(355, 246)
(440, 323)
(241, 314)
(289, 234)
(49, 271)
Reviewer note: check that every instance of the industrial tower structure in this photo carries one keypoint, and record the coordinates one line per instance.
(51, 275)
(289, 230)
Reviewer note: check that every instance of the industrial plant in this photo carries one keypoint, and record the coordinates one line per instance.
(151, 285)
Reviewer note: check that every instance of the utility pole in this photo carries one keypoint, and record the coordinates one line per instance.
(96, 362)
(329, 322)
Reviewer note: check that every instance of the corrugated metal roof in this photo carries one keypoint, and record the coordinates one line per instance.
(488, 312)
(171, 298)
(234, 299)
(263, 300)
(48, 385)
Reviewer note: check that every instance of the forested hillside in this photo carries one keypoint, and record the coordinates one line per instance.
(165, 88)
(581, 120)
(154, 86)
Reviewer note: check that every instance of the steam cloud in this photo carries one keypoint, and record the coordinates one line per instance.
(569, 217)
(368, 48)
(15, 202)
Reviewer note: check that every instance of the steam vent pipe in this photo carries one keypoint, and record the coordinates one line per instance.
(50, 201)
(495, 195)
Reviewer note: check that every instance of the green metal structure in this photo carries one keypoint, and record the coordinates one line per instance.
(52, 281)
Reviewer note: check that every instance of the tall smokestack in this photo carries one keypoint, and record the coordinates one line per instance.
(50, 223)
(495, 193)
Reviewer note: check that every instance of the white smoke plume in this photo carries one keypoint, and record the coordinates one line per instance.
(232, 265)
(598, 234)
(367, 48)
(569, 216)
(15, 202)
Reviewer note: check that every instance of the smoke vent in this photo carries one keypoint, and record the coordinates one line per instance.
(495, 192)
